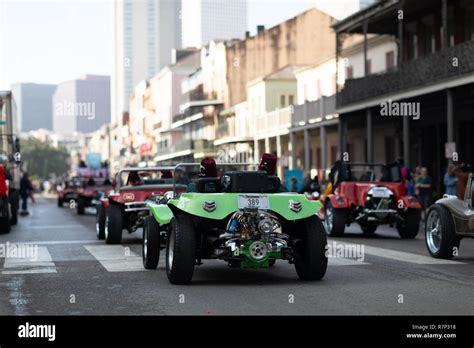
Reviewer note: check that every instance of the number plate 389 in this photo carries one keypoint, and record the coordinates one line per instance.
(253, 202)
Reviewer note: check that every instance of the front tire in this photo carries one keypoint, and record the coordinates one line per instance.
(113, 232)
(151, 243)
(80, 206)
(181, 250)
(409, 228)
(368, 228)
(310, 260)
(100, 221)
(335, 220)
(60, 202)
(440, 235)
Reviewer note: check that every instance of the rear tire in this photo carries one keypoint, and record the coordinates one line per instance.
(409, 229)
(100, 221)
(14, 211)
(310, 260)
(151, 243)
(113, 232)
(335, 221)
(448, 241)
(5, 215)
(5, 225)
(181, 250)
(80, 206)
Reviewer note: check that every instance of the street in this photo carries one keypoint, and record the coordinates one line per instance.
(76, 274)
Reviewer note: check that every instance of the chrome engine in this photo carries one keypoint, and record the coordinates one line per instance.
(255, 233)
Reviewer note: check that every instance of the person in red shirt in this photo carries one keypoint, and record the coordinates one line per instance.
(3, 181)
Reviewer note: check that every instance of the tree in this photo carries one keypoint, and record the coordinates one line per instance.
(41, 159)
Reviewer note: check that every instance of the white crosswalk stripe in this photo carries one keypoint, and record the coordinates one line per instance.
(39, 263)
(408, 257)
(116, 258)
(340, 261)
(119, 258)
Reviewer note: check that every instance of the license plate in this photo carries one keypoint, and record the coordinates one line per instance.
(253, 202)
(380, 193)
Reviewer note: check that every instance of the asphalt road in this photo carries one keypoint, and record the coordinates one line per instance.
(75, 274)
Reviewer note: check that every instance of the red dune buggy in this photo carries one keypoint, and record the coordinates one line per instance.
(125, 207)
(371, 195)
(68, 191)
(90, 193)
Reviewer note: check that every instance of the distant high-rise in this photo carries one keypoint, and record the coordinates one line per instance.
(341, 9)
(81, 105)
(145, 32)
(34, 105)
(206, 20)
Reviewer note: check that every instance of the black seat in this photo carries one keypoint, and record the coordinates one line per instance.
(208, 185)
(274, 184)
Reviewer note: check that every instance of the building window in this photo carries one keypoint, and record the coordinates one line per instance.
(282, 101)
(390, 60)
(291, 99)
(349, 72)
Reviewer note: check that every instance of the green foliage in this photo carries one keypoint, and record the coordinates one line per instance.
(41, 159)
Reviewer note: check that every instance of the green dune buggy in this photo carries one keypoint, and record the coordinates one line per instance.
(241, 217)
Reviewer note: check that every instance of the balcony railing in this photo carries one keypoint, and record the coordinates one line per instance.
(448, 63)
(180, 146)
(226, 129)
(311, 110)
(201, 145)
(274, 120)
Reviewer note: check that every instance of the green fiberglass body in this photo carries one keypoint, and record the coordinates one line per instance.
(243, 217)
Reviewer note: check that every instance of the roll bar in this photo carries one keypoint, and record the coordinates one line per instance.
(141, 169)
(199, 165)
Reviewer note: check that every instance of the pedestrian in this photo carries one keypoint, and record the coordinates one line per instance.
(462, 175)
(3, 187)
(423, 185)
(293, 184)
(26, 189)
(310, 185)
(416, 175)
(450, 181)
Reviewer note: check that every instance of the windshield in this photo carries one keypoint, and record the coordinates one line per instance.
(138, 177)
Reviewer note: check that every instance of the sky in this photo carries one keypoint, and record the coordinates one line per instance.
(50, 41)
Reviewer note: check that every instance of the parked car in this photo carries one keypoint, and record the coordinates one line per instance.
(241, 217)
(92, 190)
(125, 207)
(68, 191)
(448, 221)
(370, 195)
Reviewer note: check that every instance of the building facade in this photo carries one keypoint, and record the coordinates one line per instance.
(34, 105)
(81, 105)
(204, 21)
(424, 94)
(145, 33)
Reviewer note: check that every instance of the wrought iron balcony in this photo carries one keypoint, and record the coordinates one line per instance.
(446, 64)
